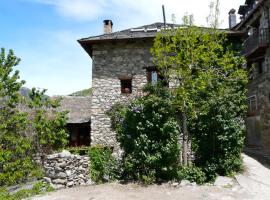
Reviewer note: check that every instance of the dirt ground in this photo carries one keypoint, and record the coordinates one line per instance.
(116, 191)
(251, 185)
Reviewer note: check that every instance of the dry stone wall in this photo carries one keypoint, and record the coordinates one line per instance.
(258, 127)
(111, 62)
(66, 170)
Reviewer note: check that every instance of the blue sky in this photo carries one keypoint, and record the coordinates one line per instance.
(44, 33)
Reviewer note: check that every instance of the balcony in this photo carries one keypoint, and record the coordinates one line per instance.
(256, 44)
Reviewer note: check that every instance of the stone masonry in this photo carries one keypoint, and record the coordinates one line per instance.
(258, 123)
(258, 127)
(111, 63)
(66, 170)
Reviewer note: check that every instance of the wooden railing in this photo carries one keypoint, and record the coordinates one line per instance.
(259, 38)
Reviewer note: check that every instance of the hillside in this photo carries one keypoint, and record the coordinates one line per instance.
(83, 93)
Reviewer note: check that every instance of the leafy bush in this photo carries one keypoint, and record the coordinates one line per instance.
(218, 133)
(16, 163)
(149, 135)
(191, 173)
(103, 166)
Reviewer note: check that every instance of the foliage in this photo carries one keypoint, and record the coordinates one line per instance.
(38, 188)
(48, 123)
(84, 93)
(15, 150)
(149, 135)
(103, 166)
(219, 135)
(209, 93)
(191, 173)
(16, 164)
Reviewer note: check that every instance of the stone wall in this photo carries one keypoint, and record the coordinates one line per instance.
(260, 87)
(66, 170)
(111, 62)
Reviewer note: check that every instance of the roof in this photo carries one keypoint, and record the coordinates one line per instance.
(79, 109)
(249, 15)
(138, 32)
(146, 31)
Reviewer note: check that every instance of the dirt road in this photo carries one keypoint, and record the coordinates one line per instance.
(254, 184)
(134, 192)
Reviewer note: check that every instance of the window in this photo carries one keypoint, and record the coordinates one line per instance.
(126, 86)
(260, 67)
(252, 105)
(153, 76)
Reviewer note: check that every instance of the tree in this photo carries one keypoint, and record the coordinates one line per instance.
(195, 61)
(15, 150)
(48, 123)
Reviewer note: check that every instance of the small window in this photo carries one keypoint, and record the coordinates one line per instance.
(153, 76)
(252, 105)
(126, 86)
(260, 67)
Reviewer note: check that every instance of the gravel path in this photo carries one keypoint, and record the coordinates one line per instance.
(254, 184)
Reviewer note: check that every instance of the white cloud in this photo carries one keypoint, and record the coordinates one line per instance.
(139, 10)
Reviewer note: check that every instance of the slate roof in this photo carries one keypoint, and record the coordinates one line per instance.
(146, 31)
(79, 109)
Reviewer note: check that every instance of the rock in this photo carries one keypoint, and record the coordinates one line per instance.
(59, 181)
(223, 181)
(62, 175)
(69, 184)
(193, 184)
(57, 186)
(68, 172)
(89, 182)
(47, 179)
(53, 156)
(65, 154)
(62, 165)
(175, 184)
(185, 183)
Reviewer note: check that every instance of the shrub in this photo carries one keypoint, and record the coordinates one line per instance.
(103, 166)
(191, 173)
(149, 135)
(16, 163)
(219, 136)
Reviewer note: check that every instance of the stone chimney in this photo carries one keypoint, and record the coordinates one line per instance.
(108, 25)
(232, 18)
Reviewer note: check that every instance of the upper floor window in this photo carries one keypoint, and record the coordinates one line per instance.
(252, 105)
(126, 86)
(153, 75)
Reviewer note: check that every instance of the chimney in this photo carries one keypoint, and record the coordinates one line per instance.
(108, 24)
(232, 18)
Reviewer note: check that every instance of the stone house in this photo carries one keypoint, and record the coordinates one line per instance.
(255, 21)
(122, 64)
